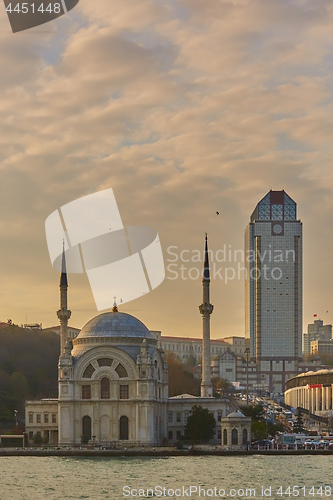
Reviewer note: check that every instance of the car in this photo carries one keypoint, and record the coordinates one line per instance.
(262, 443)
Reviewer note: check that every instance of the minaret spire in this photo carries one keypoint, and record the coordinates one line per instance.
(206, 309)
(63, 314)
(63, 275)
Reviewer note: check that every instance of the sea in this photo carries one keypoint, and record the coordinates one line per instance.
(118, 478)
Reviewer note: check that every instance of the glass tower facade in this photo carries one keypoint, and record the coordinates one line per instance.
(273, 286)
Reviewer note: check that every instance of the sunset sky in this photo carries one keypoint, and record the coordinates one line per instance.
(184, 108)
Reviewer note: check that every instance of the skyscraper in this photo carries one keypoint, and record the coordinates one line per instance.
(273, 288)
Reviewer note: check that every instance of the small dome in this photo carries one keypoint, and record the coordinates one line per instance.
(236, 414)
(114, 324)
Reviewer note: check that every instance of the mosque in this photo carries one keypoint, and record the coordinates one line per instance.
(113, 383)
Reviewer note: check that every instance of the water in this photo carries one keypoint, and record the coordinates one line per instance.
(43, 478)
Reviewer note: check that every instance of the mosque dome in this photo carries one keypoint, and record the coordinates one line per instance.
(114, 324)
(236, 414)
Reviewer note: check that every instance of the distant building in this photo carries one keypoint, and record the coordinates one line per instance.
(316, 331)
(235, 368)
(312, 391)
(41, 417)
(33, 326)
(320, 347)
(186, 347)
(237, 344)
(72, 332)
(225, 367)
(179, 409)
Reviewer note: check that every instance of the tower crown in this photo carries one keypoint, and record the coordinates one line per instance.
(276, 205)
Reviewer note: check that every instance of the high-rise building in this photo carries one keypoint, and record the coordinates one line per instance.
(273, 288)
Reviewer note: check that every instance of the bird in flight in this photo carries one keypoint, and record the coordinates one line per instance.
(217, 213)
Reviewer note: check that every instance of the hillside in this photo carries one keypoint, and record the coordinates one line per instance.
(28, 368)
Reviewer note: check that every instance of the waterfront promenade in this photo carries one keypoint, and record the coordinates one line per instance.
(152, 452)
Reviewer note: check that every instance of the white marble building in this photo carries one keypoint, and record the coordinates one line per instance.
(113, 383)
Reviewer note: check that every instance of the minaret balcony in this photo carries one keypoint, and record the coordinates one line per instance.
(206, 309)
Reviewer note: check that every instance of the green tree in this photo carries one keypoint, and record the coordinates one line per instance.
(255, 412)
(299, 423)
(260, 428)
(200, 424)
(28, 368)
(18, 385)
(191, 361)
(263, 430)
(222, 386)
(37, 438)
(180, 379)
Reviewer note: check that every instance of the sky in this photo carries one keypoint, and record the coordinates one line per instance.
(184, 108)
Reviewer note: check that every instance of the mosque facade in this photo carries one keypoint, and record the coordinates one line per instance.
(113, 383)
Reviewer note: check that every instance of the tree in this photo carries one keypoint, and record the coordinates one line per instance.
(180, 380)
(37, 438)
(255, 412)
(299, 423)
(222, 386)
(261, 428)
(28, 368)
(264, 429)
(191, 361)
(18, 385)
(200, 424)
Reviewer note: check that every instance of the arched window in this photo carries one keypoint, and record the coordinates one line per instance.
(234, 436)
(88, 372)
(225, 436)
(244, 437)
(105, 388)
(104, 361)
(121, 371)
(123, 428)
(86, 429)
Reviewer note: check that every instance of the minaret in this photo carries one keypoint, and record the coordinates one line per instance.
(63, 314)
(206, 309)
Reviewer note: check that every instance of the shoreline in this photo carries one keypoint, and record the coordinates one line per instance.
(9, 452)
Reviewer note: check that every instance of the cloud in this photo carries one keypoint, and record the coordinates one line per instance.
(183, 108)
